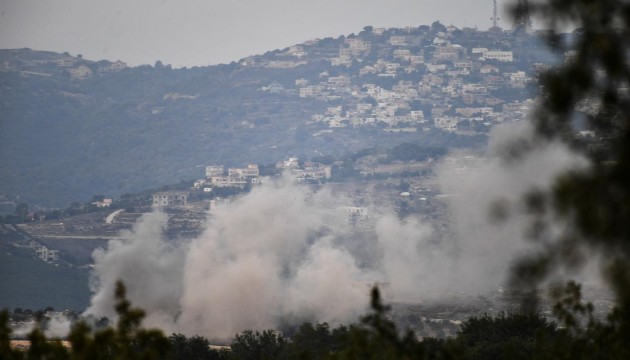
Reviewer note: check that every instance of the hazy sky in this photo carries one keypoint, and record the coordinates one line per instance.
(203, 32)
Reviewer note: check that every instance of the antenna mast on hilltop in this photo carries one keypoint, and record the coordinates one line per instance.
(522, 22)
(495, 18)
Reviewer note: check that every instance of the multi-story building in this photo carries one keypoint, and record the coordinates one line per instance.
(248, 173)
(398, 40)
(237, 177)
(505, 56)
(80, 72)
(297, 51)
(358, 46)
(312, 171)
(214, 170)
(310, 91)
(446, 123)
(170, 198)
(45, 253)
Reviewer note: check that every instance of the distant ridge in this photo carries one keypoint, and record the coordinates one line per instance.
(72, 127)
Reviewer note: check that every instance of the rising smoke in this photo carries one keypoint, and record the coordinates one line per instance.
(486, 247)
(282, 255)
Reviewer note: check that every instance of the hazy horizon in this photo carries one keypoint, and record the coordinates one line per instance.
(198, 33)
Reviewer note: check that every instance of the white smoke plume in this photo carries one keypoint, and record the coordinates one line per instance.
(55, 325)
(416, 266)
(150, 267)
(281, 255)
(269, 258)
(265, 259)
(486, 248)
(58, 326)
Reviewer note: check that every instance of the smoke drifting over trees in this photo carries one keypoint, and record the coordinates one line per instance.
(282, 255)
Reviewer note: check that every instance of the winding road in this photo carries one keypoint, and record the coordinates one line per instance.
(110, 217)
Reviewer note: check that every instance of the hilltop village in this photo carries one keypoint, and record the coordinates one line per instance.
(375, 107)
(382, 93)
(428, 85)
(398, 79)
(413, 79)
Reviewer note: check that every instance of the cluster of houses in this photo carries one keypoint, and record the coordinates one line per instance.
(235, 177)
(457, 87)
(309, 172)
(416, 79)
(217, 177)
(78, 68)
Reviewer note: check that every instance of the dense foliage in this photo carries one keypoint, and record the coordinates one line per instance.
(128, 340)
(588, 92)
(505, 336)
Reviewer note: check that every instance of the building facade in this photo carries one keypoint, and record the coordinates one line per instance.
(170, 198)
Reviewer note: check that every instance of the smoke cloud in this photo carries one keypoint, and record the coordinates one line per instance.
(58, 326)
(486, 247)
(284, 254)
(150, 267)
(266, 259)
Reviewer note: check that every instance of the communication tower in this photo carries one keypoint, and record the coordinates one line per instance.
(495, 17)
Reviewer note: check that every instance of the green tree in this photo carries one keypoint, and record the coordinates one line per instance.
(316, 341)
(250, 345)
(5, 340)
(21, 212)
(592, 84)
(378, 338)
(192, 348)
(505, 336)
(128, 340)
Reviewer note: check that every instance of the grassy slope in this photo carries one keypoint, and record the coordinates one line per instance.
(28, 282)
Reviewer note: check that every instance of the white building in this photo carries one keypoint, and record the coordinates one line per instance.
(248, 173)
(378, 31)
(446, 123)
(290, 163)
(342, 80)
(214, 170)
(296, 51)
(504, 56)
(341, 61)
(237, 177)
(44, 253)
(478, 51)
(310, 91)
(105, 203)
(80, 72)
(398, 40)
(358, 46)
(113, 67)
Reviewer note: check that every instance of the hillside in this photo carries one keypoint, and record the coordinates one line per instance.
(35, 284)
(71, 128)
